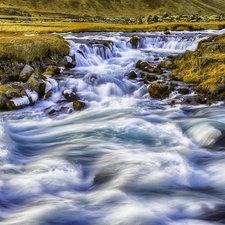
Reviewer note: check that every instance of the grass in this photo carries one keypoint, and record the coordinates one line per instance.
(14, 44)
(33, 27)
(28, 48)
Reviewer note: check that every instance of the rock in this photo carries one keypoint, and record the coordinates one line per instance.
(166, 64)
(138, 64)
(26, 73)
(78, 105)
(70, 95)
(132, 75)
(3, 100)
(158, 70)
(159, 90)
(67, 62)
(183, 91)
(36, 83)
(18, 103)
(149, 69)
(48, 95)
(52, 70)
(134, 41)
(149, 78)
(165, 14)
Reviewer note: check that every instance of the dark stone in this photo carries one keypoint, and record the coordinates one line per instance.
(3, 100)
(52, 70)
(183, 91)
(78, 105)
(70, 95)
(134, 41)
(132, 75)
(138, 64)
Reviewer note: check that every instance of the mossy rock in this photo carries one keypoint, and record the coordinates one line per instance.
(37, 83)
(134, 41)
(159, 90)
(52, 70)
(78, 105)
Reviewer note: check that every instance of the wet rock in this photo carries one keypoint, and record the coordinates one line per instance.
(48, 95)
(158, 70)
(52, 70)
(159, 90)
(70, 95)
(134, 41)
(18, 103)
(150, 77)
(26, 73)
(138, 64)
(183, 91)
(132, 75)
(166, 64)
(3, 100)
(36, 83)
(67, 62)
(78, 105)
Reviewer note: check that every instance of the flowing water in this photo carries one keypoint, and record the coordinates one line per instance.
(126, 159)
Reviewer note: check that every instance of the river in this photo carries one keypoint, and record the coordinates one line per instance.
(126, 159)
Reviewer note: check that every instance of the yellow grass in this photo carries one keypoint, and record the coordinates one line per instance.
(49, 27)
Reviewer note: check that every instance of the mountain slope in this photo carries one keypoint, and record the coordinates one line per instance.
(113, 8)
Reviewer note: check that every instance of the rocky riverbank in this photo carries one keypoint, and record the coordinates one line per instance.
(194, 77)
(26, 69)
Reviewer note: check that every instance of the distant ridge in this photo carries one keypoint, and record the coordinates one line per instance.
(111, 8)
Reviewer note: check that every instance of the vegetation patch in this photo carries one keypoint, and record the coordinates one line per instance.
(28, 48)
(205, 67)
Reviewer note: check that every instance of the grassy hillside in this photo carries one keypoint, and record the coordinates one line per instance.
(109, 8)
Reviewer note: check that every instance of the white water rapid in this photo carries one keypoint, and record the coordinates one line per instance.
(126, 159)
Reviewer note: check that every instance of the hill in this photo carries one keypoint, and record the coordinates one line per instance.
(109, 8)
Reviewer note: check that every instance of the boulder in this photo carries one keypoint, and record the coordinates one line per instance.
(138, 64)
(18, 103)
(26, 73)
(159, 90)
(3, 100)
(70, 95)
(36, 83)
(78, 105)
(183, 91)
(52, 70)
(67, 62)
(134, 41)
(132, 75)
